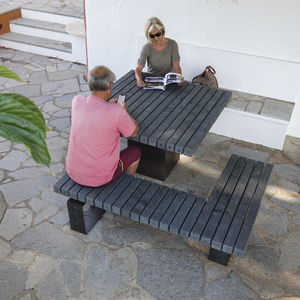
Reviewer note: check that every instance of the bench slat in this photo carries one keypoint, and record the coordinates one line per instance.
(171, 212)
(162, 207)
(73, 193)
(106, 192)
(115, 194)
(243, 238)
(90, 197)
(67, 186)
(238, 220)
(210, 227)
(190, 220)
(193, 121)
(130, 189)
(57, 186)
(153, 203)
(232, 206)
(213, 198)
(83, 193)
(190, 147)
(138, 194)
(182, 214)
(144, 201)
(191, 101)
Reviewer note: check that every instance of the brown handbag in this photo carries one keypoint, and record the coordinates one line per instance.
(207, 77)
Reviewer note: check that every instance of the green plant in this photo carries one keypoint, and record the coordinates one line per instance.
(21, 121)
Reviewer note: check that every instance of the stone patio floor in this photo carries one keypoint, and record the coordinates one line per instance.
(41, 258)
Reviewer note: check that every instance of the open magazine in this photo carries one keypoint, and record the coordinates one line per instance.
(161, 82)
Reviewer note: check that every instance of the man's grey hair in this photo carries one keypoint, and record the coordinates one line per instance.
(99, 78)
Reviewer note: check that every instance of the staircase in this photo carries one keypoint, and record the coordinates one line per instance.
(45, 34)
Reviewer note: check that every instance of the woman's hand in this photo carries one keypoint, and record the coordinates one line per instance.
(182, 81)
(140, 83)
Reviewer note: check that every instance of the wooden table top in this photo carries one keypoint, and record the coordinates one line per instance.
(176, 119)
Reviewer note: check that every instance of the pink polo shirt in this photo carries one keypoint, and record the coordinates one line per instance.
(94, 145)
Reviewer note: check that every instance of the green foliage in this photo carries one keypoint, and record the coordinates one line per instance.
(22, 122)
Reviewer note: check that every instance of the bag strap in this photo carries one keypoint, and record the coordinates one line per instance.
(211, 69)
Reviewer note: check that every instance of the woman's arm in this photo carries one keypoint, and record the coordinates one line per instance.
(177, 69)
(139, 76)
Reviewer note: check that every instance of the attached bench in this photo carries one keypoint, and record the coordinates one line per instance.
(224, 221)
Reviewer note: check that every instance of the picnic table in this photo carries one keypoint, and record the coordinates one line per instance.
(172, 122)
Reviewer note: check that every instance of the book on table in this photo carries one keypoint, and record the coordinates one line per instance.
(161, 82)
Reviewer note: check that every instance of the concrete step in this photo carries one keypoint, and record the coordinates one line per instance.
(37, 45)
(42, 29)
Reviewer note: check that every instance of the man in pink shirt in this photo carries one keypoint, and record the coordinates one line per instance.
(94, 156)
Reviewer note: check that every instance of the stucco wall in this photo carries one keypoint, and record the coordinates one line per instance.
(253, 44)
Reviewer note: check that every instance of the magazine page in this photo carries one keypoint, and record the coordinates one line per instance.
(173, 78)
(154, 83)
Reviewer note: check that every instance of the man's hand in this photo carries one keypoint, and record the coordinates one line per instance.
(113, 100)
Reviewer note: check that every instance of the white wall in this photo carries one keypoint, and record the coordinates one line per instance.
(253, 44)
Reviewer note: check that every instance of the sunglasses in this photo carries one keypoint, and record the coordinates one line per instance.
(152, 36)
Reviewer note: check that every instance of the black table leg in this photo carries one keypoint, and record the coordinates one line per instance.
(218, 256)
(83, 221)
(155, 163)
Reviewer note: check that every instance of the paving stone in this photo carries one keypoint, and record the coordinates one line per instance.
(259, 262)
(288, 171)
(249, 153)
(1, 180)
(273, 221)
(61, 124)
(18, 191)
(215, 271)
(5, 146)
(12, 279)
(21, 257)
(51, 287)
(61, 218)
(37, 204)
(290, 252)
(29, 90)
(287, 200)
(131, 294)
(94, 236)
(158, 274)
(237, 104)
(2, 205)
(58, 156)
(65, 101)
(108, 271)
(51, 69)
(34, 67)
(13, 160)
(23, 56)
(56, 143)
(290, 186)
(24, 173)
(271, 291)
(54, 198)
(60, 87)
(48, 212)
(61, 75)
(64, 66)
(48, 239)
(228, 288)
(278, 109)
(38, 77)
(40, 269)
(26, 297)
(14, 222)
(41, 99)
(62, 113)
(49, 107)
(254, 107)
(78, 67)
(5, 249)
(213, 139)
(296, 220)
(72, 282)
(112, 238)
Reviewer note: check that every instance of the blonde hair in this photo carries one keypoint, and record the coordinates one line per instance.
(154, 22)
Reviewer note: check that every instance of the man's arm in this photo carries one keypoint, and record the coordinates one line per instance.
(136, 131)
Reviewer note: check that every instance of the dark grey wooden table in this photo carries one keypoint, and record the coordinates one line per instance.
(172, 122)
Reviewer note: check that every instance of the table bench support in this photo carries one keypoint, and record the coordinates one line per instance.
(80, 220)
(156, 163)
(218, 256)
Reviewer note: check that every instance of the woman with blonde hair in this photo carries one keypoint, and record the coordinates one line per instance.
(160, 53)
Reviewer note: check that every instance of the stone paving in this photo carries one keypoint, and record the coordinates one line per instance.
(72, 8)
(41, 258)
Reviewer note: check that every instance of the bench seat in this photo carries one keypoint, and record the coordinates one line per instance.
(224, 221)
